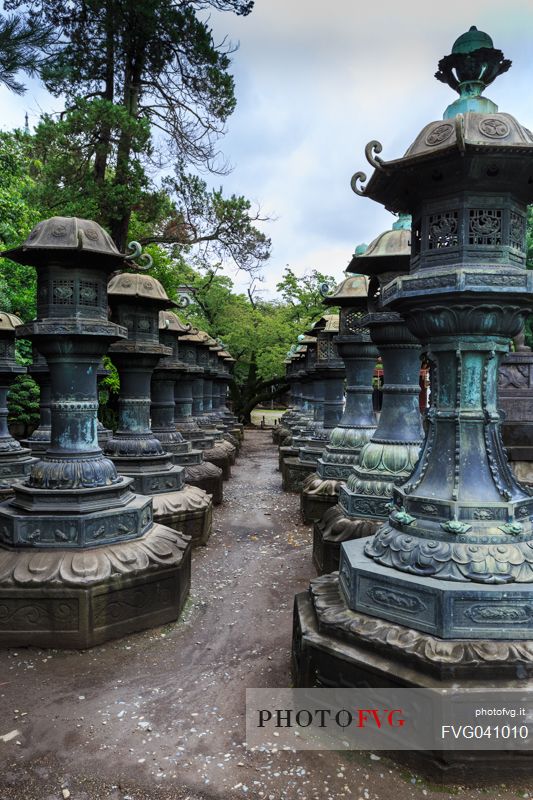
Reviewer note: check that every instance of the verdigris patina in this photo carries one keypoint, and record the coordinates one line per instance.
(136, 301)
(392, 452)
(328, 394)
(198, 472)
(81, 560)
(189, 399)
(448, 580)
(321, 490)
(15, 460)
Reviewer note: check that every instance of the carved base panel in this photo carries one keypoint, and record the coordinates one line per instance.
(374, 506)
(340, 471)
(67, 526)
(335, 647)
(191, 457)
(208, 477)
(237, 430)
(449, 609)
(293, 474)
(152, 480)
(189, 511)
(202, 443)
(70, 600)
(15, 465)
(196, 437)
(182, 448)
(313, 505)
(311, 454)
(330, 531)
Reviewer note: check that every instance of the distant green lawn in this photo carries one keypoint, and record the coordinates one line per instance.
(270, 415)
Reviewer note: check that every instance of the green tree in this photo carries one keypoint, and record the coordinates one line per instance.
(18, 215)
(128, 67)
(23, 405)
(23, 43)
(258, 333)
(303, 295)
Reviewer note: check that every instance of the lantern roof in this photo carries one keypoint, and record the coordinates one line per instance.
(391, 250)
(62, 237)
(142, 287)
(351, 291)
(8, 322)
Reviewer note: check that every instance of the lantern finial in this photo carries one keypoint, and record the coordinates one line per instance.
(472, 65)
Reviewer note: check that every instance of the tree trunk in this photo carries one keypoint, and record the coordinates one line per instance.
(120, 224)
(104, 145)
(247, 409)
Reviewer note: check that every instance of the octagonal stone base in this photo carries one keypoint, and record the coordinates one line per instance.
(444, 608)
(65, 599)
(189, 511)
(235, 432)
(293, 474)
(279, 433)
(336, 647)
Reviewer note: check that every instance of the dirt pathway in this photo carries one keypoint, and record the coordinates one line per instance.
(161, 714)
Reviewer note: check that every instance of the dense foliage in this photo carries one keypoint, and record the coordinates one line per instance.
(147, 95)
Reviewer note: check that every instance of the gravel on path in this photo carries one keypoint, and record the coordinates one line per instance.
(160, 715)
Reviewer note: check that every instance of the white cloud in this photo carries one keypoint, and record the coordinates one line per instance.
(315, 82)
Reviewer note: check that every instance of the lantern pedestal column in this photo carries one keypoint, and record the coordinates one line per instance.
(133, 447)
(39, 440)
(187, 426)
(442, 593)
(311, 399)
(328, 379)
(392, 452)
(15, 461)
(198, 473)
(321, 490)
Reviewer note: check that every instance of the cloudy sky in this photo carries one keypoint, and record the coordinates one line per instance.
(315, 81)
